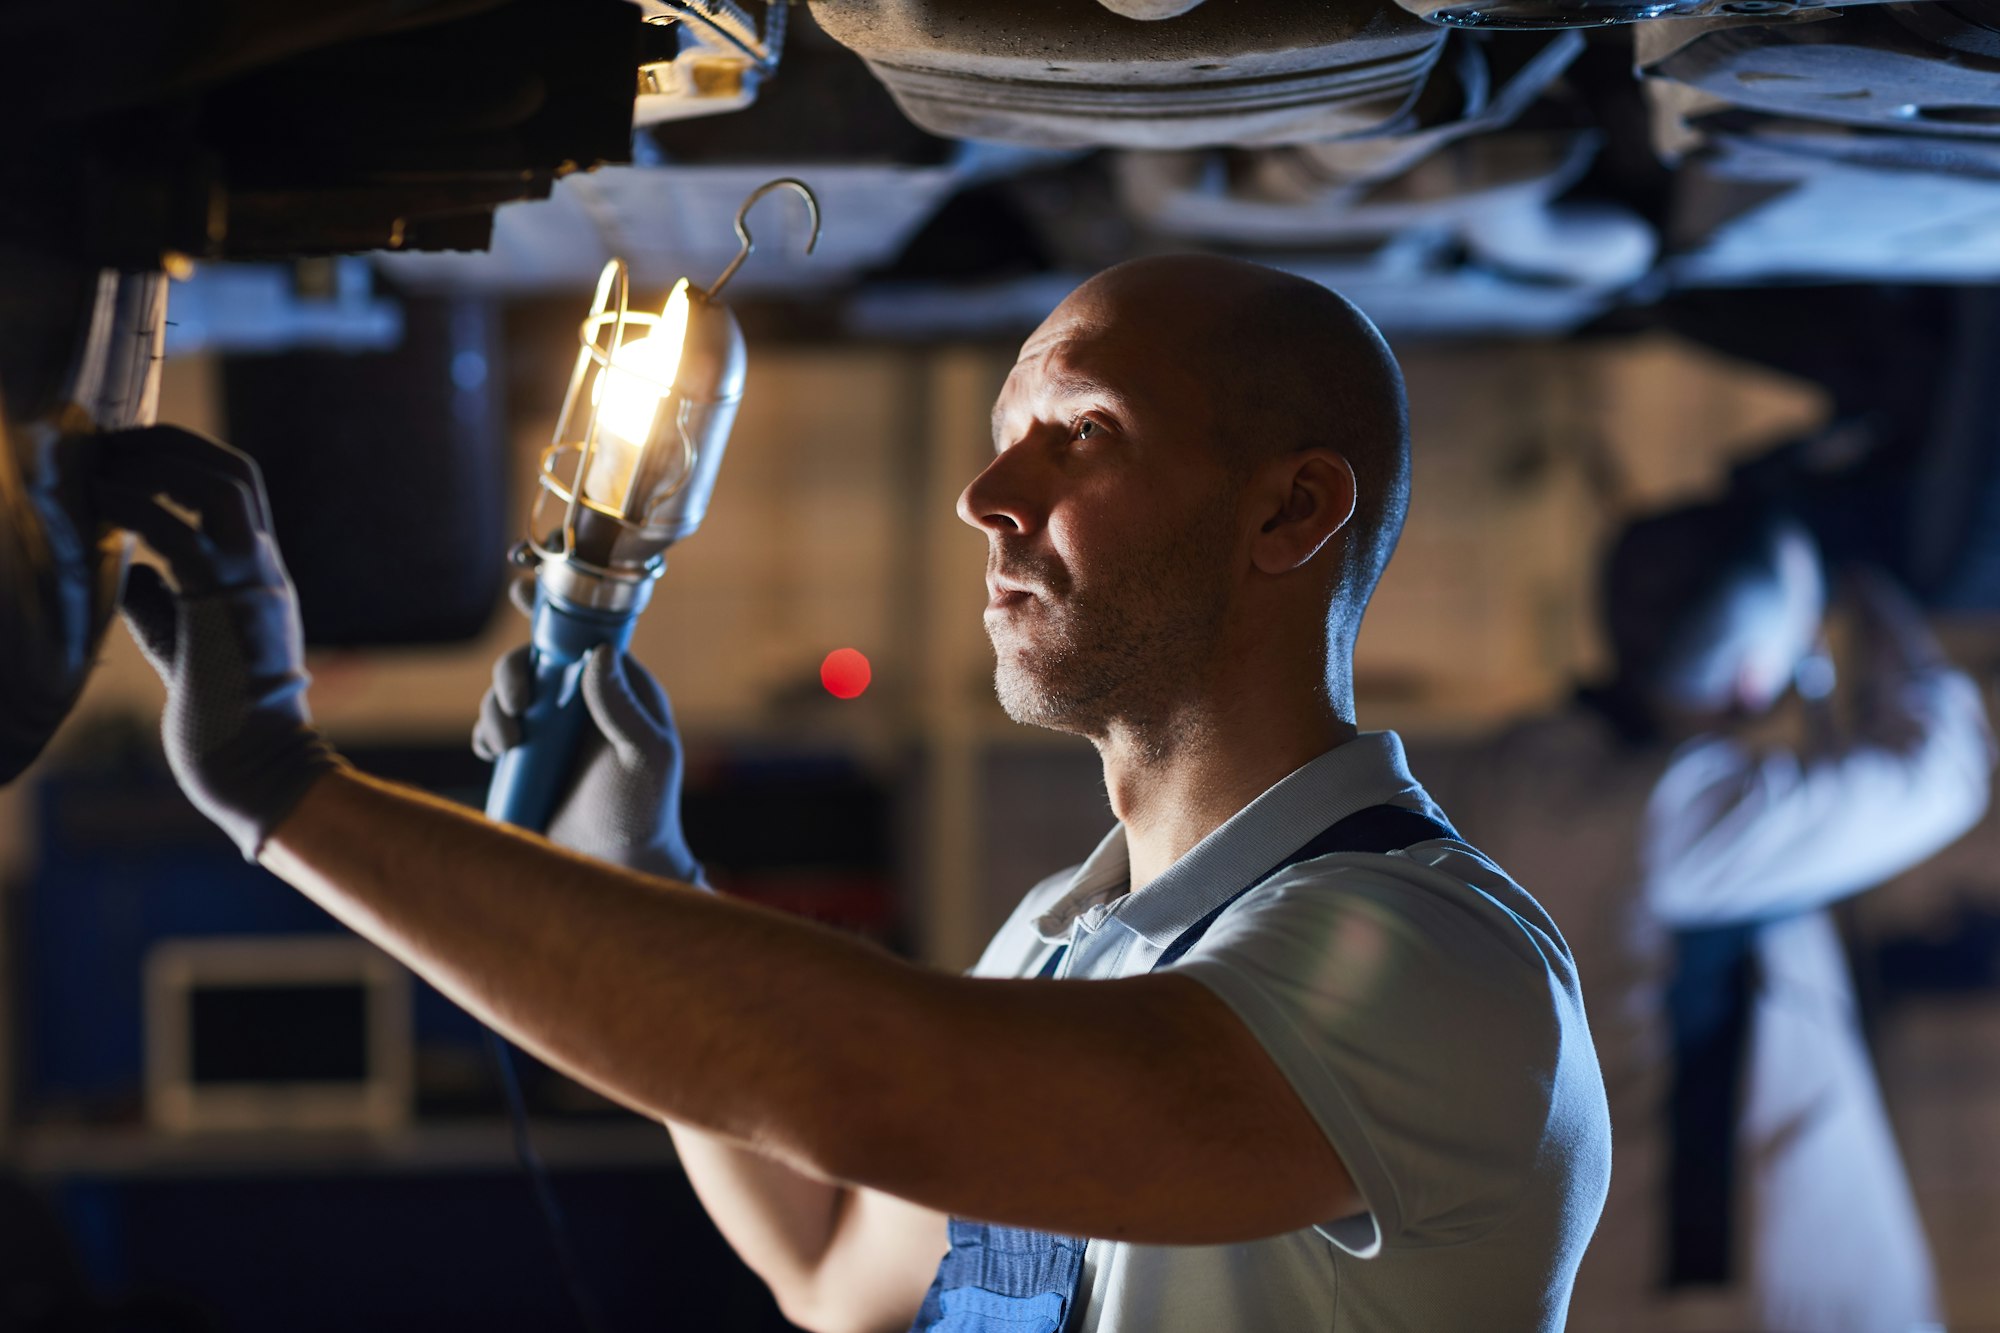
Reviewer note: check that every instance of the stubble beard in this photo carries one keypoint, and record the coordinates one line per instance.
(1050, 675)
(1121, 652)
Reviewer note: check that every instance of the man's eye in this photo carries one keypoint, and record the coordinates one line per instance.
(1084, 429)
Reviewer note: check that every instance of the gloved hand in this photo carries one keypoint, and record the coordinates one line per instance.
(228, 645)
(623, 802)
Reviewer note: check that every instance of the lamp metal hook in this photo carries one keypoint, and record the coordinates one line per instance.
(743, 224)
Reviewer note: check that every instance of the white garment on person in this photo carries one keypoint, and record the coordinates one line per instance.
(1625, 844)
(1427, 1014)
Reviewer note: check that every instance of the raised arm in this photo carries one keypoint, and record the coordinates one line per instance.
(1738, 833)
(811, 1049)
(819, 1051)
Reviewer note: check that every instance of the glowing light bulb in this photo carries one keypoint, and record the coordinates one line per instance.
(628, 394)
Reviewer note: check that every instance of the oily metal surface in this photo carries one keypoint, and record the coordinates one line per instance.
(59, 574)
(1070, 73)
(1870, 66)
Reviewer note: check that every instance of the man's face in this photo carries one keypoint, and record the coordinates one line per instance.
(1109, 519)
(1797, 608)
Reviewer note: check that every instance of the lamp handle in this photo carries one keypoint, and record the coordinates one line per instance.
(528, 778)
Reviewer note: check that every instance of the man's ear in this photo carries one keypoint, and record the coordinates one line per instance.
(1309, 496)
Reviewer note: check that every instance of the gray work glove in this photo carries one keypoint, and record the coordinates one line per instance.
(623, 801)
(238, 735)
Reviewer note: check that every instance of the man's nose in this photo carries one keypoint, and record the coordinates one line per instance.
(999, 498)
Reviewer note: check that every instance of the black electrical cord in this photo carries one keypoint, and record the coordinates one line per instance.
(765, 61)
(545, 1195)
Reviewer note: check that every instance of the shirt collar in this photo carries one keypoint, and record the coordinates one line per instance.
(1368, 770)
(1102, 878)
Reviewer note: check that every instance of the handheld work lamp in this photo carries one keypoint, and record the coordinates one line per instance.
(632, 465)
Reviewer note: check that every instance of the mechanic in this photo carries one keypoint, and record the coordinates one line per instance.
(1361, 1096)
(1689, 843)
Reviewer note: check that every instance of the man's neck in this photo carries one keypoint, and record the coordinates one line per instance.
(1172, 785)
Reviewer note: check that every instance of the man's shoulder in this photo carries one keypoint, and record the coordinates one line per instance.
(1441, 905)
(1395, 990)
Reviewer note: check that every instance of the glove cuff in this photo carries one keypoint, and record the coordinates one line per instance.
(649, 860)
(286, 772)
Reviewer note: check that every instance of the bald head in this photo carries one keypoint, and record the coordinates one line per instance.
(1294, 366)
(1199, 468)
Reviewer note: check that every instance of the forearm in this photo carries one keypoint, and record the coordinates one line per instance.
(823, 1053)
(681, 1005)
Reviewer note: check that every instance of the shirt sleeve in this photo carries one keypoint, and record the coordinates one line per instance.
(1424, 1026)
(1735, 833)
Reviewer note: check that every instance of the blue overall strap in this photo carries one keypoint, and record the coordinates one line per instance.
(999, 1279)
(1709, 1004)
(1380, 829)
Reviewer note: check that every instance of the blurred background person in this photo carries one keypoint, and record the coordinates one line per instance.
(1688, 842)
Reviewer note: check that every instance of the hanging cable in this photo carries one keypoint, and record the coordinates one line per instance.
(734, 27)
(544, 1188)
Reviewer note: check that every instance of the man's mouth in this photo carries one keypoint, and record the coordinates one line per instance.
(1004, 590)
(1006, 596)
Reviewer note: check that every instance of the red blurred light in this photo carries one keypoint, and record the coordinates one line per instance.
(845, 673)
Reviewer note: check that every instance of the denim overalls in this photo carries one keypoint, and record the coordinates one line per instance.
(1007, 1280)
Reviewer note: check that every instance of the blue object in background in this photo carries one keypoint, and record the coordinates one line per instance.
(319, 304)
(433, 1231)
(124, 862)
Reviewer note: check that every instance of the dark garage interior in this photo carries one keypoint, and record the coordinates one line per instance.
(1630, 257)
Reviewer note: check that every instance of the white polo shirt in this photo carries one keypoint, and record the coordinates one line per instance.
(1427, 1012)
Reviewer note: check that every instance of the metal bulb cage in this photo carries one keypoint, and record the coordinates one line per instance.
(566, 462)
(706, 384)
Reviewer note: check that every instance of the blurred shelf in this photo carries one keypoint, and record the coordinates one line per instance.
(470, 1146)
